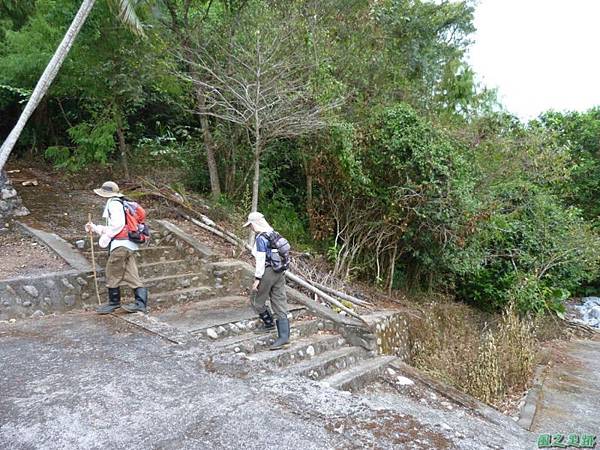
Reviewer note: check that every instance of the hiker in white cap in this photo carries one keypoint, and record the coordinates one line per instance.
(121, 267)
(271, 252)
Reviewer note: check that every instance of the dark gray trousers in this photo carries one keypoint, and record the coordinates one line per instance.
(272, 285)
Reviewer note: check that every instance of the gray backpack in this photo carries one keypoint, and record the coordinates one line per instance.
(280, 251)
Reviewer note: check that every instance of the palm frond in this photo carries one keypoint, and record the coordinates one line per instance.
(128, 15)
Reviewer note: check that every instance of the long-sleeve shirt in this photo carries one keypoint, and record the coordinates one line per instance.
(262, 255)
(114, 216)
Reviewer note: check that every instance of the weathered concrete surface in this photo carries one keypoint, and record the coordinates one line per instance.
(61, 247)
(470, 427)
(85, 381)
(569, 401)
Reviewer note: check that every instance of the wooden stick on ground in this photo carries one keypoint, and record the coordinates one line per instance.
(305, 284)
(339, 294)
(94, 260)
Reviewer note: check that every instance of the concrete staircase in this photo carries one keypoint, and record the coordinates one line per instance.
(169, 273)
(204, 299)
(317, 351)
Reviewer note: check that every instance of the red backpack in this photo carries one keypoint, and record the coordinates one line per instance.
(135, 228)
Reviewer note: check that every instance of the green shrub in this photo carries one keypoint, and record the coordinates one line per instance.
(537, 251)
(94, 144)
(282, 215)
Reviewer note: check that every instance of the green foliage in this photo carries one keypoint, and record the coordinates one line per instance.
(414, 183)
(284, 217)
(535, 250)
(420, 180)
(95, 142)
(580, 134)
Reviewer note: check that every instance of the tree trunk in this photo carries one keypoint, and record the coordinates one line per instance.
(392, 270)
(123, 150)
(213, 171)
(255, 184)
(309, 193)
(46, 79)
(256, 180)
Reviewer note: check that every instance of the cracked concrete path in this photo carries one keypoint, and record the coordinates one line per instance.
(82, 381)
(569, 400)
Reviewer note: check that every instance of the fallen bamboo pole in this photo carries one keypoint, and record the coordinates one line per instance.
(340, 294)
(211, 229)
(305, 284)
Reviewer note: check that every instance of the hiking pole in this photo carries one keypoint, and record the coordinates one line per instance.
(94, 260)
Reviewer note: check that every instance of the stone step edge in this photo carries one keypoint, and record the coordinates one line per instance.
(203, 331)
(302, 367)
(232, 341)
(296, 346)
(344, 380)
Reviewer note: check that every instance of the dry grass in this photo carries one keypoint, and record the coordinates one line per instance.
(486, 356)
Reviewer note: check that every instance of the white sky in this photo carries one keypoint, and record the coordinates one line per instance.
(540, 54)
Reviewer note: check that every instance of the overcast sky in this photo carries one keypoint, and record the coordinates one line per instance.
(540, 54)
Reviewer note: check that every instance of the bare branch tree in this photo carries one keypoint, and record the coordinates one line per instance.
(264, 87)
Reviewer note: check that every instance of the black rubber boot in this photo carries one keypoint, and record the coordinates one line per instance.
(267, 325)
(114, 301)
(283, 329)
(141, 301)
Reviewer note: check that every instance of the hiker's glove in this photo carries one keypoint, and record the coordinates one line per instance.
(91, 227)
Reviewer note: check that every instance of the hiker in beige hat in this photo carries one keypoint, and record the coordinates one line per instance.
(121, 267)
(271, 253)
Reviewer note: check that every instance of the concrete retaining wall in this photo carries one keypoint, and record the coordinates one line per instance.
(55, 292)
(392, 334)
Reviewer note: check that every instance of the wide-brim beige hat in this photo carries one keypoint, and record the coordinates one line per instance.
(109, 189)
(260, 223)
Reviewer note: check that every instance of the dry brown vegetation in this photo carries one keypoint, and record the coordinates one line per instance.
(489, 357)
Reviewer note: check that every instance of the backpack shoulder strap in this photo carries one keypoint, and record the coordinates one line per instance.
(109, 202)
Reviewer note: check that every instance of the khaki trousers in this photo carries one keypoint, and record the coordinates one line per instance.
(121, 269)
(272, 285)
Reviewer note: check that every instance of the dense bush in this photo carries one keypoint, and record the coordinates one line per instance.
(536, 252)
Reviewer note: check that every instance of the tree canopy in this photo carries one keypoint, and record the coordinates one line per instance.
(367, 133)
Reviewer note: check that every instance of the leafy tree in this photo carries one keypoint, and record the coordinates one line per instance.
(127, 14)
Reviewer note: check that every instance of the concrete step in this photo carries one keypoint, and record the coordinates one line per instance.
(177, 281)
(158, 301)
(145, 255)
(329, 363)
(161, 300)
(170, 283)
(163, 268)
(250, 342)
(215, 318)
(360, 374)
(253, 343)
(301, 349)
(157, 238)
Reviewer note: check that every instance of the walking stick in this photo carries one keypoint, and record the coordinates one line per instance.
(94, 260)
